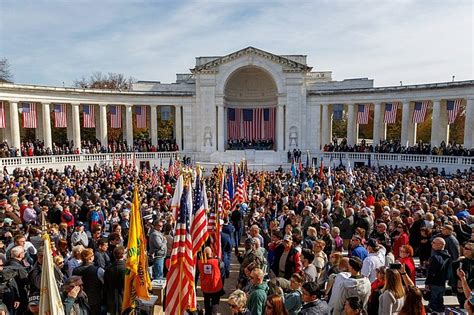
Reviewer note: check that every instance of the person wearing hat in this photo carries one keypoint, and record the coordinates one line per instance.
(357, 249)
(74, 299)
(79, 236)
(158, 246)
(33, 303)
(251, 255)
(374, 260)
(312, 303)
(287, 259)
(327, 238)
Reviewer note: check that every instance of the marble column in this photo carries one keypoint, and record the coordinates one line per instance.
(352, 130)
(380, 127)
(76, 126)
(153, 125)
(436, 124)
(326, 125)
(468, 124)
(408, 133)
(14, 126)
(280, 129)
(220, 128)
(179, 128)
(7, 131)
(39, 130)
(128, 125)
(102, 127)
(46, 121)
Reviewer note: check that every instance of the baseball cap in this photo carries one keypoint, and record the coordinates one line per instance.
(250, 240)
(287, 238)
(33, 299)
(325, 226)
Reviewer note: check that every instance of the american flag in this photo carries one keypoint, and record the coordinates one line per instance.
(115, 117)
(419, 112)
(140, 114)
(453, 107)
(176, 168)
(2, 116)
(363, 114)
(269, 123)
(29, 115)
(252, 123)
(239, 193)
(60, 118)
(390, 116)
(199, 226)
(226, 200)
(154, 178)
(234, 119)
(88, 112)
(180, 286)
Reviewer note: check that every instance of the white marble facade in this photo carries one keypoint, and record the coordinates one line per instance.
(247, 78)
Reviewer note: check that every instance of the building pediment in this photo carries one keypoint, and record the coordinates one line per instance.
(214, 62)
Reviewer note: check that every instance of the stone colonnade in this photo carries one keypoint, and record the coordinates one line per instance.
(43, 130)
(439, 127)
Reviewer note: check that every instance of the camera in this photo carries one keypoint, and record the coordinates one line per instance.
(395, 266)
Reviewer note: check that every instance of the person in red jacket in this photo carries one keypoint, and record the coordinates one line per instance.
(406, 258)
(400, 240)
(211, 281)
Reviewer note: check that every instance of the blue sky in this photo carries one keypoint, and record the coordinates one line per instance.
(51, 42)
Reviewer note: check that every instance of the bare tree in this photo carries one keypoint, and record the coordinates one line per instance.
(5, 73)
(109, 81)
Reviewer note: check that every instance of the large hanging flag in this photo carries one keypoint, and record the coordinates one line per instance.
(363, 114)
(140, 115)
(50, 299)
(2, 116)
(199, 224)
(180, 286)
(337, 111)
(60, 118)
(248, 124)
(419, 112)
(115, 117)
(269, 122)
(88, 112)
(390, 115)
(234, 119)
(453, 108)
(137, 281)
(29, 115)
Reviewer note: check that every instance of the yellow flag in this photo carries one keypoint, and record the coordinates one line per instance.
(137, 279)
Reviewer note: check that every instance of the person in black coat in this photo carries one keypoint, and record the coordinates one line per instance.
(91, 277)
(101, 257)
(114, 279)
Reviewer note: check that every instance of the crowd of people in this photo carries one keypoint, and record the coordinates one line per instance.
(37, 147)
(246, 144)
(310, 246)
(394, 146)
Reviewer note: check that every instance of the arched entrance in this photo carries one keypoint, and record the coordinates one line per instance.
(250, 100)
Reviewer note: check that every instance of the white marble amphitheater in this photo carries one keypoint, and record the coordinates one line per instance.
(222, 89)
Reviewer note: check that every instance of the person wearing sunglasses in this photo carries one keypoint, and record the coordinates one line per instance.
(237, 302)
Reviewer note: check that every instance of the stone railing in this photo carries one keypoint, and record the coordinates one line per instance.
(85, 160)
(450, 163)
